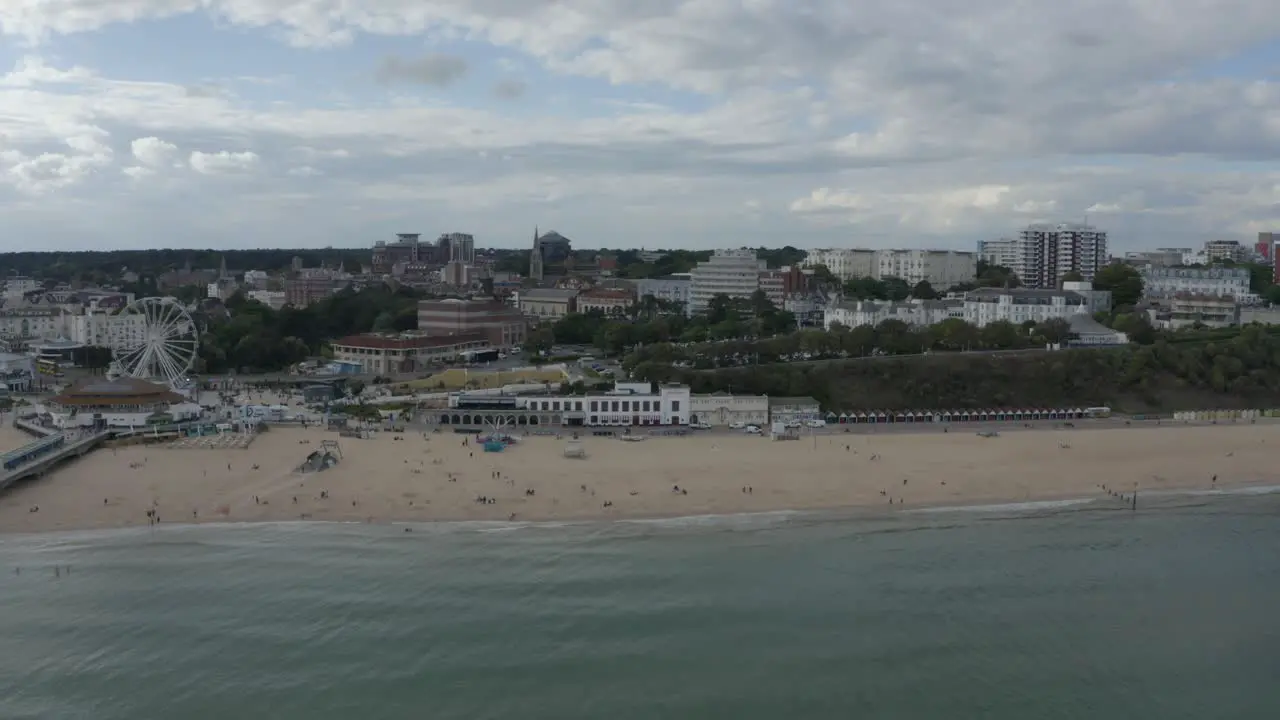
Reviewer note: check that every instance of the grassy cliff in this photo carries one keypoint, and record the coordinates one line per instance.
(1242, 372)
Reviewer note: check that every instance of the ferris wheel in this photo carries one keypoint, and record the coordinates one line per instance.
(155, 340)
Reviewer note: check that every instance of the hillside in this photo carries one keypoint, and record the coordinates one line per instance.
(1242, 372)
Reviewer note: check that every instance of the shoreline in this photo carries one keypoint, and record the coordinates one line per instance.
(974, 507)
(415, 478)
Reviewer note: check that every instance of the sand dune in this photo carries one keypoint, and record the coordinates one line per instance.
(385, 478)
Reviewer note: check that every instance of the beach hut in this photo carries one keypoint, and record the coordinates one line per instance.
(900, 417)
(882, 417)
(860, 418)
(832, 418)
(946, 416)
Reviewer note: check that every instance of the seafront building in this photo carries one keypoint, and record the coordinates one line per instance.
(723, 409)
(628, 404)
(844, 263)
(122, 402)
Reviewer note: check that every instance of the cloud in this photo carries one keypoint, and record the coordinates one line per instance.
(436, 69)
(920, 121)
(222, 162)
(152, 152)
(509, 89)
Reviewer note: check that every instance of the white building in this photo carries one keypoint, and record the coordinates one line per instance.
(408, 352)
(675, 288)
(1162, 284)
(919, 313)
(939, 268)
(256, 279)
(628, 404)
(15, 286)
(1004, 252)
(123, 402)
(844, 263)
(273, 299)
(33, 321)
(721, 409)
(1020, 305)
(1043, 254)
(1097, 300)
(1160, 257)
(1219, 250)
(735, 273)
(108, 329)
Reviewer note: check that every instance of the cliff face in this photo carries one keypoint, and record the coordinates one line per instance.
(1241, 373)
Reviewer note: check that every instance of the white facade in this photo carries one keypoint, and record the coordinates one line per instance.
(628, 404)
(871, 313)
(1004, 252)
(17, 286)
(1219, 282)
(256, 279)
(844, 263)
(719, 410)
(982, 307)
(108, 329)
(273, 299)
(735, 273)
(670, 289)
(939, 268)
(33, 321)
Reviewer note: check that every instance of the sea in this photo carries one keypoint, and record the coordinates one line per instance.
(1039, 610)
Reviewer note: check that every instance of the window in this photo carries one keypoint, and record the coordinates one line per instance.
(595, 405)
(675, 406)
(614, 407)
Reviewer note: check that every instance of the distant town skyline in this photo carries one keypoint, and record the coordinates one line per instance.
(829, 123)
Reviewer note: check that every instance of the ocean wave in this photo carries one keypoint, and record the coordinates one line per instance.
(1018, 507)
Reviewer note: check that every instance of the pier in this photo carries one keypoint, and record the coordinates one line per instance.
(37, 458)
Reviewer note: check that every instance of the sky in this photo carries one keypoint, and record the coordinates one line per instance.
(664, 123)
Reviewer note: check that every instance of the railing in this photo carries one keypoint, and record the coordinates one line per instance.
(14, 459)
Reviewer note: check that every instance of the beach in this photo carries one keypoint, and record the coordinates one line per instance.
(416, 476)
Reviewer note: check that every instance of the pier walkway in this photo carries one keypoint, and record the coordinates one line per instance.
(38, 457)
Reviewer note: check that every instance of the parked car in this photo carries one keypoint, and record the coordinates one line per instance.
(737, 425)
(816, 423)
(754, 430)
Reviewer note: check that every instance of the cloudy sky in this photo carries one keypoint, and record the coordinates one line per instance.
(620, 123)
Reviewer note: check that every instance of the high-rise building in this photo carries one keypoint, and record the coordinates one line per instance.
(461, 247)
(1042, 254)
(1268, 241)
(735, 273)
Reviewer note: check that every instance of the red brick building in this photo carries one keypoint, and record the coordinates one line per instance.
(501, 324)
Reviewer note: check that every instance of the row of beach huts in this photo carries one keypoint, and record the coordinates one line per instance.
(945, 416)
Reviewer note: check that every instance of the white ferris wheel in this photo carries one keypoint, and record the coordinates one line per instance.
(156, 340)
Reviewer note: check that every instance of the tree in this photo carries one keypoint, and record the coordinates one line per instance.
(540, 340)
(924, 291)
(896, 289)
(1054, 330)
(1072, 276)
(865, 288)
(1124, 282)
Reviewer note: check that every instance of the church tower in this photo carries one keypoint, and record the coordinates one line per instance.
(535, 258)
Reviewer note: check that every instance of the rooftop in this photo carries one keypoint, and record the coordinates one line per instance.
(549, 294)
(120, 391)
(407, 342)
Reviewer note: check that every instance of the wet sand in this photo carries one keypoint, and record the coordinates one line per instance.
(385, 479)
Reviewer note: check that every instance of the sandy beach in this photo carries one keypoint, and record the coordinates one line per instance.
(417, 477)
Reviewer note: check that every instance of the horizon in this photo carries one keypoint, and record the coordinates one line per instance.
(299, 124)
